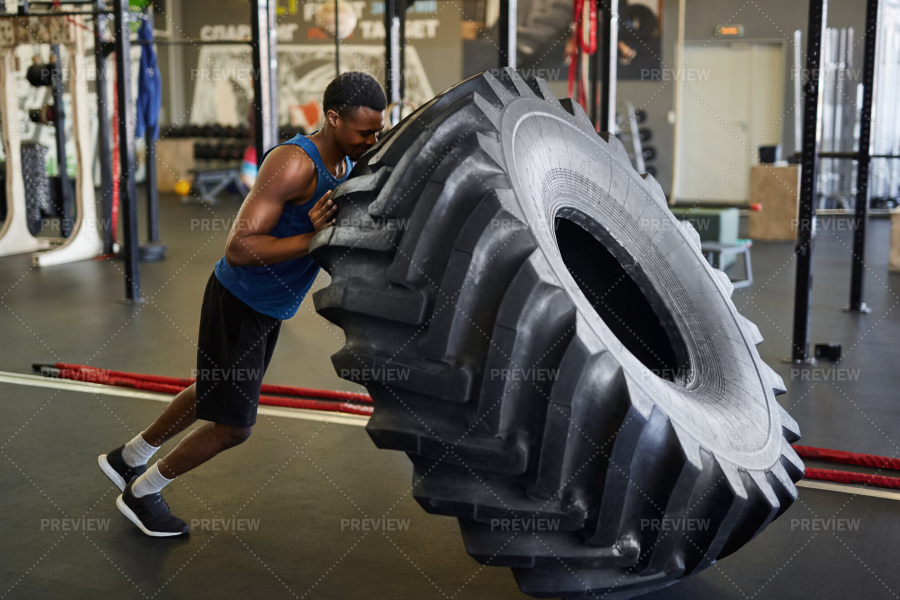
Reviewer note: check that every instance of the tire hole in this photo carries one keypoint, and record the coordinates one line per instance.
(618, 299)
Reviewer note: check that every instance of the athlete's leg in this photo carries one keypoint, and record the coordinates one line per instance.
(175, 418)
(199, 446)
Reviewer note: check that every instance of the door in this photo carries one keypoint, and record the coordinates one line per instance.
(732, 103)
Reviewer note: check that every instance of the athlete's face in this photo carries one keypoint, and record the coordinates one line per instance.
(357, 130)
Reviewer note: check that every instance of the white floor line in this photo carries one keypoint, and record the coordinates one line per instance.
(848, 489)
(106, 390)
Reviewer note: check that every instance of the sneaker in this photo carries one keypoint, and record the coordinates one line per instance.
(150, 513)
(116, 468)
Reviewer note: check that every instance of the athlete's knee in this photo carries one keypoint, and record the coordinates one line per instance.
(233, 436)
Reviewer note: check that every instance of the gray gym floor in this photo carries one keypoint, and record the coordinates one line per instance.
(296, 484)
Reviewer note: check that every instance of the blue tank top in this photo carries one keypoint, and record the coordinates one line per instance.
(278, 289)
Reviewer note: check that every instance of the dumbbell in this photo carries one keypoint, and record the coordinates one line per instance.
(202, 151)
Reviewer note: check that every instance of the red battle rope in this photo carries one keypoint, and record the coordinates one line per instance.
(849, 477)
(167, 388)
(283, 390)
(174, 385)
(849, 458)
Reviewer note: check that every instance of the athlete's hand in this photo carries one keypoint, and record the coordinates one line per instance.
(322, 213)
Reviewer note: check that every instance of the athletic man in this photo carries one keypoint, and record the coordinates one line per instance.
(261, 280)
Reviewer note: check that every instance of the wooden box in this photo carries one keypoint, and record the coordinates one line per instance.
(777, 189)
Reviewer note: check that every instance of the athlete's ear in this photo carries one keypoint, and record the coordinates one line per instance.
(332, 118)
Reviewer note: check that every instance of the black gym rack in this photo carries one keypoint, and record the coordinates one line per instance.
(818, 12)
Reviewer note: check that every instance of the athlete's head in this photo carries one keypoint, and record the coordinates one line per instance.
(354, 106)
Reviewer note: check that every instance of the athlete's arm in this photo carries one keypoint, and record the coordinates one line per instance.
(286, 174)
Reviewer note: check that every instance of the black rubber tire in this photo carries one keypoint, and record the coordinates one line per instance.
(446, 271)
(37, 185)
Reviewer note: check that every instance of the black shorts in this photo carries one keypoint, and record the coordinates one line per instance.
(233, 352)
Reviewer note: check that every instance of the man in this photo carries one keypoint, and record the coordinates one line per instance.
(261, 280)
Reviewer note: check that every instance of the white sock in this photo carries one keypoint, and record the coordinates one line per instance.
(137, 451)
(151, 482)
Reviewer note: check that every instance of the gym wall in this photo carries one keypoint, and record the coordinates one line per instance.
(306, 55)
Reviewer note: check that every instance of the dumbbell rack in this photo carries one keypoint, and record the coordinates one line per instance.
(218, 164)
(633, 136)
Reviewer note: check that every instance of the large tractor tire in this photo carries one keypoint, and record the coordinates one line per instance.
(541, 336)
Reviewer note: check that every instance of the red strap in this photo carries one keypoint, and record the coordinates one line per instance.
(579, 45)
(591, 45)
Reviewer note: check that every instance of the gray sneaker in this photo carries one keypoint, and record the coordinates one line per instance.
(150, 513)
(118, 471)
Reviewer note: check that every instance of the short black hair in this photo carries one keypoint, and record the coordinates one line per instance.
(352, 90)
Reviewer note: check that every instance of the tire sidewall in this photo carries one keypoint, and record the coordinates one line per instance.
(737, 421)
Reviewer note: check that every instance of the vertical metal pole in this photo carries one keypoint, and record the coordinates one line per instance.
(605, 63)
(273, 72)
(127, 186)
(59, 123)
(818, 11)
(507, 22)
(337, 41)
(798, 93)
(103, 141)
(861, 212)
(392, 56)
(152, 195)
(401, 65)
(264, 60)
(388, 50)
